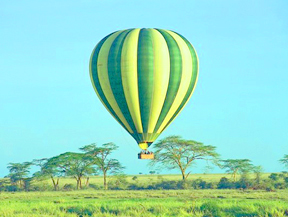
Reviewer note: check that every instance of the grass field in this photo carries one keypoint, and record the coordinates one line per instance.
(145, 203)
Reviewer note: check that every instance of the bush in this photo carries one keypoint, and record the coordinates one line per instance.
(224, 183)
(270, 188)
(12, 188)
(183, 185)
(68, 187)
(164, 185)
(96, 187)
(244, 182)
(41, 187)
(197, 183)
(274, 176)
(134, 178)
(279, 185)
(118, 183)
(135, 187)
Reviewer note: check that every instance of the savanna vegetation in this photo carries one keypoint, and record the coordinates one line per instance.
(92, 183)
(204, 203)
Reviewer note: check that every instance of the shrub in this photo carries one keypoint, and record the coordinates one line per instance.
(118, 183)
(270, 188)
(68, 187)
(224, 183)
(274, 176)
(135, 187)
(183, 185)
(244, 182)
(197, 183)
(12, 188)
(279, 185)
(134, 178)
(41, 187)
(96, 187)
(165, 185)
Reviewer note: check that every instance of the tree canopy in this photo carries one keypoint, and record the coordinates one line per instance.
(100, 157)
(284, 160)
(174, 152)
(18, 172)
(236, 166)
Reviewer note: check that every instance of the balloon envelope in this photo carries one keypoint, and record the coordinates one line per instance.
(144, 78)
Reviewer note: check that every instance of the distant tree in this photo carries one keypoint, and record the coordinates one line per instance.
(49, 168)
(173, 152)
(77, 165)
(257, 170)
(237, 166)
(101, 159)
(152, 172)
(284, 160)
(18, 173)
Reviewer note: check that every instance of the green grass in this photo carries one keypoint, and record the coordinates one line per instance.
(145, 203)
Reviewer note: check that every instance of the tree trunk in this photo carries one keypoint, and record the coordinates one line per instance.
(234, 177)
(183, 175)
(80, 182)
(87, 182)
(77, 180)
(55, 184)
(105, 181)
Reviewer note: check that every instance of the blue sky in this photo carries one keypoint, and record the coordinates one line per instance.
(48, 105)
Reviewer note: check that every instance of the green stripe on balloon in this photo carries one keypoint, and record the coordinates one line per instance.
(115, 79)
(175, 75)
(145, 65)
(94, 75)
(192, 81)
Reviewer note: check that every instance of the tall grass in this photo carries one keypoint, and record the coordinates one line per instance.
(145, 203)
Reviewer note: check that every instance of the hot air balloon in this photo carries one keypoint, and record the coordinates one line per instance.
(144, 78)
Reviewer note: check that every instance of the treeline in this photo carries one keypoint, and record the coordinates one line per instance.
(251, 181)
(171, 153)
(122, 182)
(92, 160)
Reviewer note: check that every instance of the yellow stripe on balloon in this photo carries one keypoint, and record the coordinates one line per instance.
(102, 67)
(185, 79)
(130, 77)
(197, 75)
(161, 77)
(197, 71)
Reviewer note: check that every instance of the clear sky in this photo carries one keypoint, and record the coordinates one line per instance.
(48, 105)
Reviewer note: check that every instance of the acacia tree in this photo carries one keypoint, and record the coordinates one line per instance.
(73, 164)
(173, 152)
(236, 166)
(18, 173)
(48, 168)
(284, 161)
(101, 158)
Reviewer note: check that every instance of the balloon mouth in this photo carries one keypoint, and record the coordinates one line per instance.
(144, 145)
